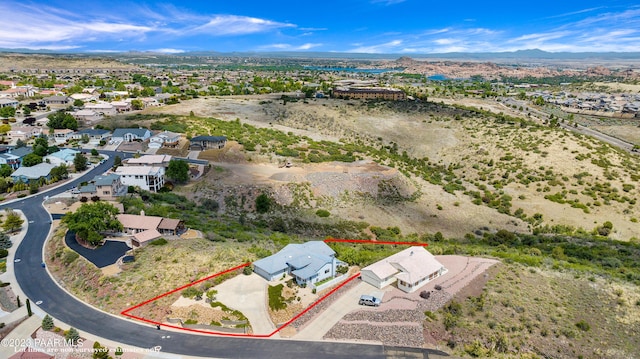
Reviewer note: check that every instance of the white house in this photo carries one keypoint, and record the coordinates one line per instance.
(87, 115)
(103, 108)
(149, 160)
(130, 134)
(62, 135)
(5, 102)
(24, 132)
(148, 178)
(410, 269)
(165, 138)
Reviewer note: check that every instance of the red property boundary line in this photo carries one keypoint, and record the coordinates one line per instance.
(127, 313)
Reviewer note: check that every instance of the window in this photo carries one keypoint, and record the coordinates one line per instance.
(326, 271)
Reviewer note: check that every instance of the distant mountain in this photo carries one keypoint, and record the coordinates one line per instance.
(531, 54)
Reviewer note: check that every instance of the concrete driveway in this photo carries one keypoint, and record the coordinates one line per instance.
(248, 294)
(348, 302)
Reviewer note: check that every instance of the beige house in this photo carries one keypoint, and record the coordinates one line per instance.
(149, 160)
(147, 228)
(411, 269)
(24, 132)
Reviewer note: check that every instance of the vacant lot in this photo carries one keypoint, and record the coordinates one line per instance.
(529, 170)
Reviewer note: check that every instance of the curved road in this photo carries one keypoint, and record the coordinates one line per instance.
(39, 286)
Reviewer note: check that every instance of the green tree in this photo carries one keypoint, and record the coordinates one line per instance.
(117, 162)
(263, 203)
(80, 162)
(4, 128)
(20, 143)
(59, 173)
(12, 221)
(72, 335)
(94, 152)
(78, 103)
(62, 120)
(33, 187)
(137, 104)
(100, 352)
(31, 159)
(47, 322)
(5, 170)
(5, 241)
(178, 171)
(29, 312)
(7, 111)
(91, 220)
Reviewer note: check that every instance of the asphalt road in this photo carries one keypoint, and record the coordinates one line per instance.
(39, 286)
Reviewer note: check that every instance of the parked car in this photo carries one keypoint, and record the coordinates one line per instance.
(369, 300)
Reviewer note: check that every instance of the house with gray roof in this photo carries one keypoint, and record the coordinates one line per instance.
(95, 135)
(130, 134)
(26, 174)
(207, 142)
(107, 186)
(308, 263)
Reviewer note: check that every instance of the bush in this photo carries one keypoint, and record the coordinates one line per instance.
(4, 253)
(69, 256)
(323, 213)
(158, 242)
(72, 335)
(192, 292)
(247, 270)
(584, 326)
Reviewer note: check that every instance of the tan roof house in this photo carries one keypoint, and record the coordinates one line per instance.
(24, 132)
(149, 160)
(147, 228)
(411, 269)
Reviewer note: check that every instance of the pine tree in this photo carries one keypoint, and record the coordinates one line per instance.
(47, 322)
(5, 241)
(29, 312)
(72, 335)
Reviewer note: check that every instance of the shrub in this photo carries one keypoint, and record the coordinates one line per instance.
(431, 315)
(47, 322)
(158, 242)
(69, 256)
(323, 213)
(72, 335)
(582, 325)
(247, 270)
(4, 253)
(192, 292)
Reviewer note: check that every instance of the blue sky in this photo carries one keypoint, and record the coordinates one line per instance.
(366, 26)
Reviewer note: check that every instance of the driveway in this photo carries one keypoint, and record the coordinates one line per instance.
(348, 302)
(102, 256)
(248, 294)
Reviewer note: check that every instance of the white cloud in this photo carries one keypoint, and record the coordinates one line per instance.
(239, 25)
(390, 46)
(387, 2)
(289, 47)
(167, 51)
(57, 29)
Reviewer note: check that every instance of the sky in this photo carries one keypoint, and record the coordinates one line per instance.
(349, 26)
